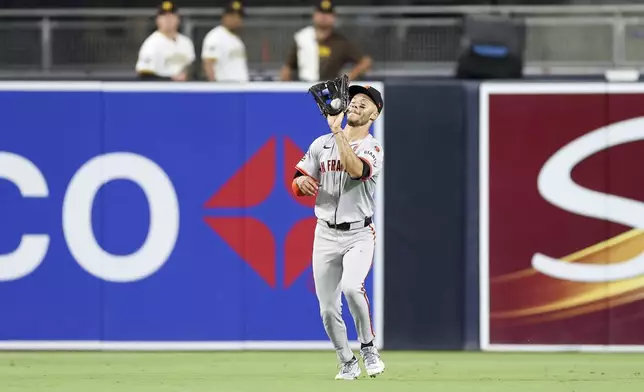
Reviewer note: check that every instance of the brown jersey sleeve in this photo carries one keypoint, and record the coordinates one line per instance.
(291, 57)
(353, 53)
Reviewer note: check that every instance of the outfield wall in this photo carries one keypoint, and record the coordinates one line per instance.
(158, 216)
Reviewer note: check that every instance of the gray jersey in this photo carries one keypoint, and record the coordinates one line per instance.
(341, 199)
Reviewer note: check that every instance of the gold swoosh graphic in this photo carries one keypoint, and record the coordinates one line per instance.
(577, 256)
(541, 298)
(580, 310)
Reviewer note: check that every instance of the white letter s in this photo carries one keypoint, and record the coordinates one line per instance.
(557, 187)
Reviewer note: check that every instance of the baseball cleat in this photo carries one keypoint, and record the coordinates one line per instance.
(372, 361)
(349, 370)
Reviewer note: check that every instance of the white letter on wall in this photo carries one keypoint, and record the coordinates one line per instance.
(33, 247)
(556, 186)
(164, 217)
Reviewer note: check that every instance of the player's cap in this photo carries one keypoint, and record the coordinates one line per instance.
(325, 7)
(167, 7)
(370, 92)
(235, 7)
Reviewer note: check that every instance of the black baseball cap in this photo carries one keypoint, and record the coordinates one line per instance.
(235, 7)
(370, 92)
(325, 7)
(167, 7)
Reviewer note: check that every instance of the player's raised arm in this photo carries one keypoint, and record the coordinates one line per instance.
(352, 164)
(364, 108)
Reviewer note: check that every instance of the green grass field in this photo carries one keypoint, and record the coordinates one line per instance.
(306, 371)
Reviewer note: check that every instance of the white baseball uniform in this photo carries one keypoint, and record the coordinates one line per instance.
(229, 53)
(342, 256)
(164, 56)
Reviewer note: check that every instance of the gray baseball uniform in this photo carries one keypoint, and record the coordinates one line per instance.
(342, 256)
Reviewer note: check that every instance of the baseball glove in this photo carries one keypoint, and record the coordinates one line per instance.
(332, 96)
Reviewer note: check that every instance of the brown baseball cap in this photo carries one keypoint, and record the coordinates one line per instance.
(325, 7)
(235, 7)
(167, 7)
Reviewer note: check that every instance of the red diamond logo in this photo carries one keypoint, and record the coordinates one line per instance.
(258, 173)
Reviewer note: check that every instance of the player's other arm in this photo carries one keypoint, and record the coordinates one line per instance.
(372, 157)
(287, 71)
(210, 52)
(363, 65)
(361, 62)
(305, 181)
(209, 68)
(184, 75)
(304, 185)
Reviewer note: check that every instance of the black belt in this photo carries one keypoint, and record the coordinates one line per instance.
(347, 226)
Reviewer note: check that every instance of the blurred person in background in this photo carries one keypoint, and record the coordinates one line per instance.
(319, 52)
(166, 54)
(224, 53)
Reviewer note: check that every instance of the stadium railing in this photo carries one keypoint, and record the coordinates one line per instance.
(404, 41)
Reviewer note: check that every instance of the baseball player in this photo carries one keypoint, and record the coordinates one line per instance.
(166, 54)
(341, 170)
(224, 52)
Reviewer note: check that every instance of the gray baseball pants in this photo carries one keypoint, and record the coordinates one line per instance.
(341, 263)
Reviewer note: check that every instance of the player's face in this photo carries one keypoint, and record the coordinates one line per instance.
(234, 21)
(361, 110)
(323, 20)
(168, 22)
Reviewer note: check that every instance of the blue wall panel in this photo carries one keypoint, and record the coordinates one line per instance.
(228, 157)
(58, 132)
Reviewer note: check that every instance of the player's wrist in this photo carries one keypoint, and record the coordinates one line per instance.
(297, 191)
